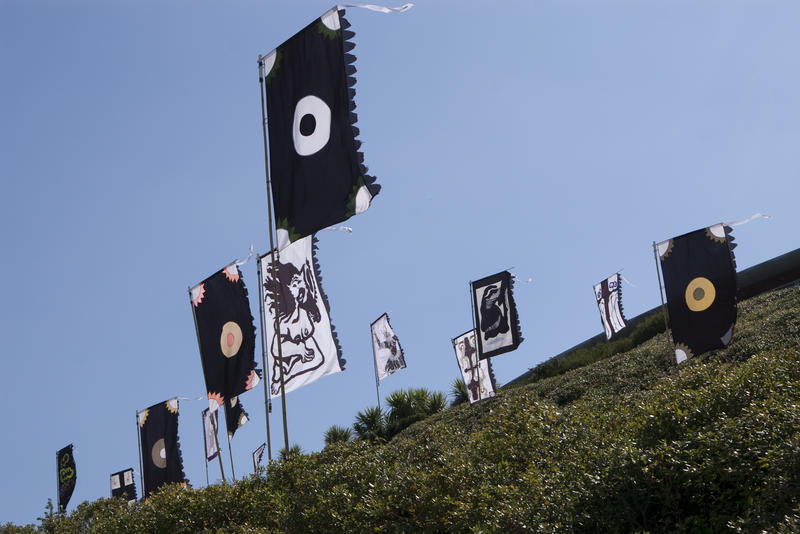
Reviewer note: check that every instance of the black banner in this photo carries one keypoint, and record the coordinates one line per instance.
(161, 453)
(67, 475)
(700, 283)
(123, 485)
(227, 335)
(496, 315)
(318, 176)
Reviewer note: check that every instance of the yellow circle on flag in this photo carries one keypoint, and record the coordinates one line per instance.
(159, 454)
(700, 294)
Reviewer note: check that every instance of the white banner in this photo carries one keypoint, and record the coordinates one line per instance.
(309, 349)
(386, 348)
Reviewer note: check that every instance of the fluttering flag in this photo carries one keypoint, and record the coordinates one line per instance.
(386, 348)
(318, 175)
(122, 485)
(476, 373)
(67, 476)
(309, 345)
(161, 452)
(235, 416)
(258, 454)
(227, 335)
(700, 282)
(210, 426)
(496, 315)
(609, 301)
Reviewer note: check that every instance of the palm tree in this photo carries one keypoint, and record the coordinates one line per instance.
(409, 406)
(370, 424)
(294, 450)
(459, 392)
(338, 434)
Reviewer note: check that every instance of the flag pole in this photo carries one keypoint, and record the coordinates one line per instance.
(261, 75)
(230, 452)
(264, 354)
(205, 446)
(203, 366)
(58, 484)
(375, 361)
(660, 291)
(477, 351)
(139, 441)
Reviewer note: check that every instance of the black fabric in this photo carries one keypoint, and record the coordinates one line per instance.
(161, 453)
(67, 475)
(314, 190)
(496, 315)
(119, 487)
(235, 416)
(224, 300)
(685, 262)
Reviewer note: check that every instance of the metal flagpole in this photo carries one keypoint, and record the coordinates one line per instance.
(230, 452)
(375, 361)
(477, 351)
(139, 441)
(261, 75)
(205, 446)
(264, 354)
(660, 291)
(58, 485)
(203, 365)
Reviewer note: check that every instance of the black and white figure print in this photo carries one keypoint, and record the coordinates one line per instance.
(699, 271)
(309, 348)
(122, 485)
(609, 301)
(386, 348)
(476, 373)
(318, 173)
(495, 315)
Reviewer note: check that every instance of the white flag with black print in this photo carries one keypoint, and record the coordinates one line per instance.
(609, 301)
(309, 348)
(476, 373)
(386, 348)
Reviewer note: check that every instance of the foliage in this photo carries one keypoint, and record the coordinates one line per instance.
(370, 425)
(337, 434)
(294, 450)
(630, 443)
(409, 406)
(458, 391)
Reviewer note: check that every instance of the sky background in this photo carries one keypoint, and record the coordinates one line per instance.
(554, 138)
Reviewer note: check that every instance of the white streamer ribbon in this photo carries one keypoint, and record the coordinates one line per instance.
(340, 229)
(627, 281)
(242, 262)
(379, 9)
(747, 220)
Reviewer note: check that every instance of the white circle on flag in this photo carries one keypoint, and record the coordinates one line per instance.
(311, 127)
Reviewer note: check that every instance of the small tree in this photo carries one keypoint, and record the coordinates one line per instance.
(458, 390)
(338, 434)
(294, 450)
(370, 424)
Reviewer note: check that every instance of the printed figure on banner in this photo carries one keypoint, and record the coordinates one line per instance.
(476, 373)
(495, 315)
(309, 348)
(386, 348)
(609, 301)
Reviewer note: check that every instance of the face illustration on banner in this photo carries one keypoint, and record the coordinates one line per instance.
(299, 313)
(390, 353)
(493, 312)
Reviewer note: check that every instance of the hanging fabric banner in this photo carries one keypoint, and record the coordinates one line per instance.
(227, 335)
(495, 315)
(309, 345)
(122, 485)
(318, 175)
(386, 348)
(700, 282)
(258, 454)
(476, 373)
(210, 426)
(235, 416)
(161, 452)
(609, 301)
(67, 475)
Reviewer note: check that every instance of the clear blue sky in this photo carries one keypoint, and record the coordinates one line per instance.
(556, 138)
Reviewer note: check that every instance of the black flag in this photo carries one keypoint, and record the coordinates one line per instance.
(122, 485)
(65, 467)
(318, 176)
(235, 416)
(496, 315)
(161, 452)
(227, 335)
(258, 454)
(700, 282)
